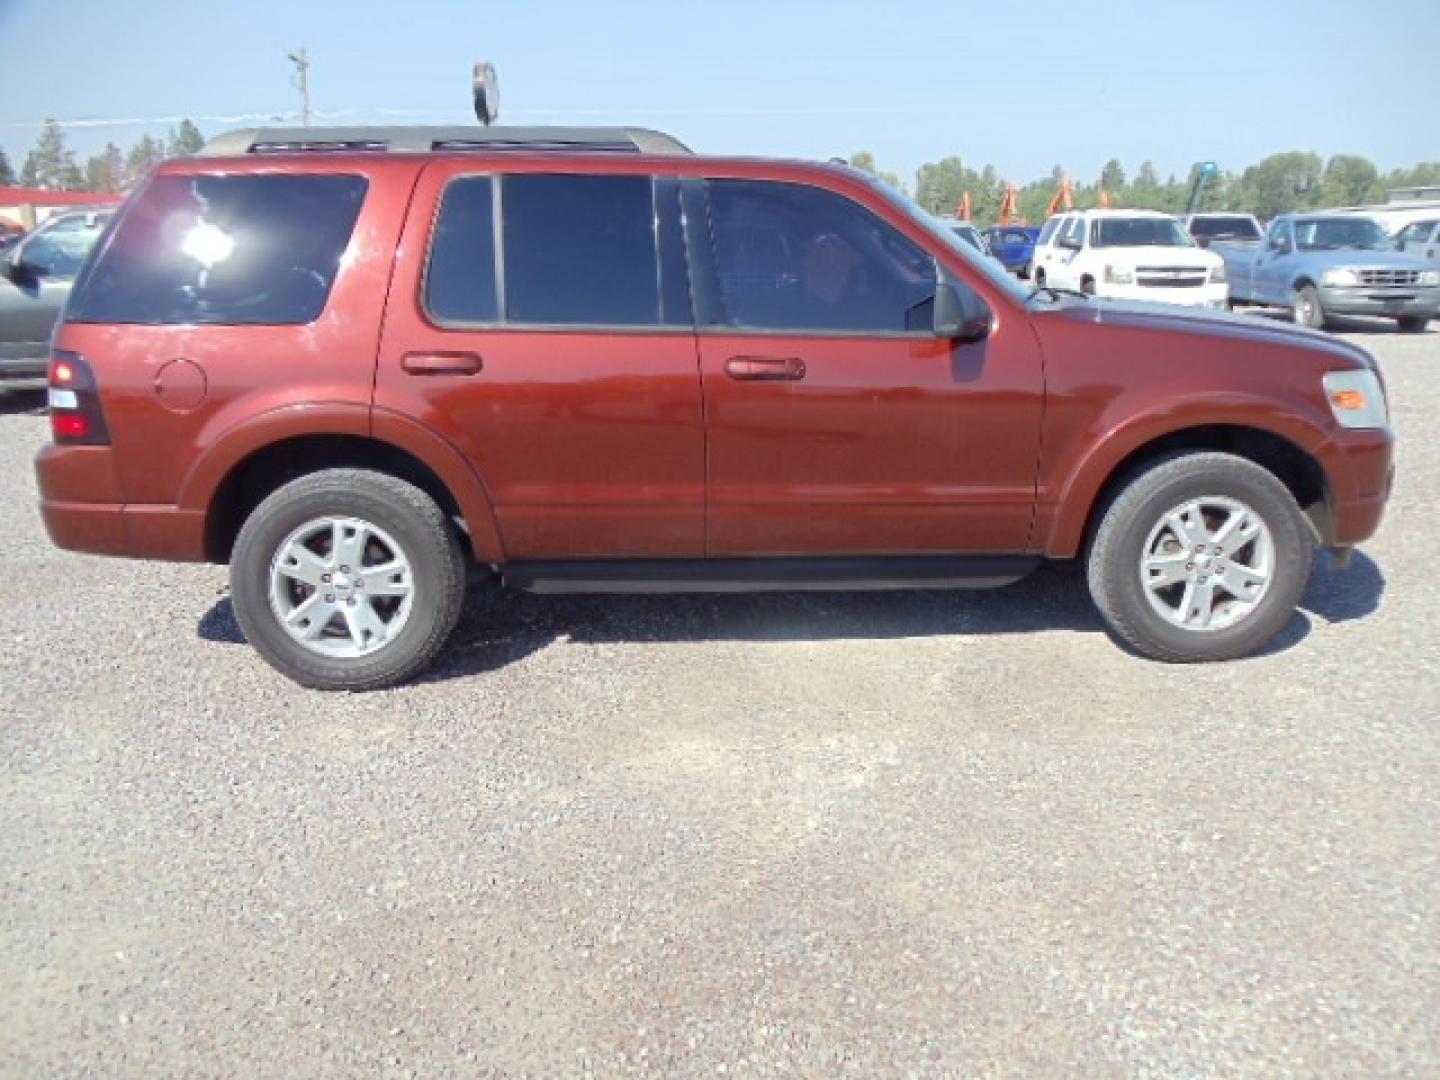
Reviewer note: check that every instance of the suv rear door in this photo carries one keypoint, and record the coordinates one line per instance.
(836, 422)
(543, 327)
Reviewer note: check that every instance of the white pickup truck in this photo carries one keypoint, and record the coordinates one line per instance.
(1130, 255)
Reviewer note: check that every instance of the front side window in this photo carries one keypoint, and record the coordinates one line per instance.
(1416, 232)
(61, 252)
(236, 250)
(794, 257)
(1074, 231)
(580, 250)
(1048, 230)
(1334, 234)
(1279, 233)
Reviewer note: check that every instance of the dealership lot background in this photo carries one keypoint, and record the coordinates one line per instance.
(836, 834)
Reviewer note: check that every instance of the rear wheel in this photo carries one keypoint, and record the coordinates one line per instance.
(1413, 324)
(1039, 277)
(347, 580)
(1306, 308)
(1202, 557)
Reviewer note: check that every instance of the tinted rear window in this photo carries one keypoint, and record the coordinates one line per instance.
(580, 250)
(1224, 228)
(460, 281)
(229, 250)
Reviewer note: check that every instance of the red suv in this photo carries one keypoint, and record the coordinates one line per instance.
(348, 362)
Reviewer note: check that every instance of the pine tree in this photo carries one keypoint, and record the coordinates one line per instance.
(7, 174)
(184, 140)
(143, 157)
(51, 165)
(105, 172)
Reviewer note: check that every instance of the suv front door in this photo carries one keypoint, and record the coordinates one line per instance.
(836, 422)
(544, 329)
(1274, 263)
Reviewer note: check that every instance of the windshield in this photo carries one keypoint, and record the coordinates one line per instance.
(1138, 232)
(1333, 234)
(991, 270)
(1224, 228)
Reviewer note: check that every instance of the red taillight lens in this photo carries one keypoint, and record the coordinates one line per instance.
(75, 413)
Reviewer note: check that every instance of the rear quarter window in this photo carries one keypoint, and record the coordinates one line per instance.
(223, 250)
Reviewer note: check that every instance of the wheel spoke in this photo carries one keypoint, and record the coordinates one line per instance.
(1199, 603)
(300, 563)
(310, 618)
(365, 625)
(350, 538)
(1162, 571)
(1243, 582)
(1188, 526)
(387, 579)
(1241, 528)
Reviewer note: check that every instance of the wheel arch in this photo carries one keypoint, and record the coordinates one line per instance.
(240, 471)
(1106, 474)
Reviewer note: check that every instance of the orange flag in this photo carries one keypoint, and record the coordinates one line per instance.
(963, 210)
(1105, 199)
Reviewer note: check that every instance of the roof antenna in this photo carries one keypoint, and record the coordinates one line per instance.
(486, 86)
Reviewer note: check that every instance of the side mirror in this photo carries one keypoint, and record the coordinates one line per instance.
(1069, 245)
(960, 314)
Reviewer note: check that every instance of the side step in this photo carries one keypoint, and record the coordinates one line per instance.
(767, 574)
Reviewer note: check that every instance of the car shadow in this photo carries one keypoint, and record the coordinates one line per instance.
(499, 626)
(22, 402)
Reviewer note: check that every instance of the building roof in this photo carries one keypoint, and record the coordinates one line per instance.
(23, 196)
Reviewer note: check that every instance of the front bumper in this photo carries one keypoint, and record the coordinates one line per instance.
(1360, 472)
(1207, 296)
(1360, 300)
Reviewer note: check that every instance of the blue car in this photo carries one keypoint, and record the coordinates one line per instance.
(1014, 246)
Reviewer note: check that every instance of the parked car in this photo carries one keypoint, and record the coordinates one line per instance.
(35, 278)
(966, 232)
(1421, 239)
(1130, 255)
(1014, 246)
(1205, 229)
(1323, 265)
(348, 374)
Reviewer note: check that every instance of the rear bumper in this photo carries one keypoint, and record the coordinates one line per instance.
(23, 372)
(81, 505)
(1382, 302)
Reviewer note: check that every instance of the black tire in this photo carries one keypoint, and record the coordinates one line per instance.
(1087, 286)
(1306, 309)
(400, 509)
(1413, 324)
(1116, 554)
(1040, 277)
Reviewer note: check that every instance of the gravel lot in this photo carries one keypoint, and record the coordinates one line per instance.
(871, 835)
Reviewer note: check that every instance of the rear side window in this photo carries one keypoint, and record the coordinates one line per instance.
(580, 250)
(460, 280)
(223, 250)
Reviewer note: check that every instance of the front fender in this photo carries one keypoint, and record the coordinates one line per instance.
(1061, 519)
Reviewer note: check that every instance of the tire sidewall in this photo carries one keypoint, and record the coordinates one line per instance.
(256, 547)
(1308, 294)
(1262, 494)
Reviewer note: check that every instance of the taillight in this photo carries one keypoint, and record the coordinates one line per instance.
(75, 413)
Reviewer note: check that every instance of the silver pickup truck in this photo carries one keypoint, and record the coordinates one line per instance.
(1323, 265)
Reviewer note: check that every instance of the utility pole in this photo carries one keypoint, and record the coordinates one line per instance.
(302, 71)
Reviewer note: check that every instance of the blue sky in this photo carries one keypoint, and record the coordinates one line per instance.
(1023, 85)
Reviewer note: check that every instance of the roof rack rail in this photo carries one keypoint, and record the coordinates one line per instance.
(622, 140)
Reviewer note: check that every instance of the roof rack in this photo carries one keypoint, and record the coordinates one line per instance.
(617, 140)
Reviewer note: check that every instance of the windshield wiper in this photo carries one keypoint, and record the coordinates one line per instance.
(1055, 294)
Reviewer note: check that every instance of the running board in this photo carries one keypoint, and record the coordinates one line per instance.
(768, 574)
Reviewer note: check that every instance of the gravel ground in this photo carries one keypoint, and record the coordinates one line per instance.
(870, 835)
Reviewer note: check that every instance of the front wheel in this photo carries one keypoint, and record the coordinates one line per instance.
(1413, 324)
(1202, 557)
(1306, 308)
(347, 579)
